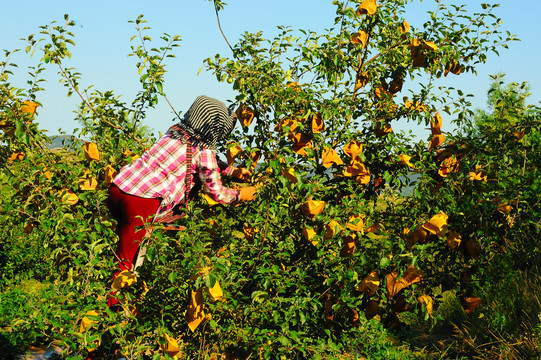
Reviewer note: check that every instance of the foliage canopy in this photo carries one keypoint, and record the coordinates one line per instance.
(331, 248)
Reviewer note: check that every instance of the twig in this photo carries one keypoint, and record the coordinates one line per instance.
(74, 87)
(220, 27)
(171, 106)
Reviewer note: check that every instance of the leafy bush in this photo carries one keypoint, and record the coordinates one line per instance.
(331, 256)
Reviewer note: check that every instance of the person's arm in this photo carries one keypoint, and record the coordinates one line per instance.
(240, 173)
(210, 177)
(223, 167)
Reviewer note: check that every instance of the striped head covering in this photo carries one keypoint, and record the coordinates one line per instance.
(208, 121)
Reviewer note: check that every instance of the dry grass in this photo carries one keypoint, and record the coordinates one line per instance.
(506, 327)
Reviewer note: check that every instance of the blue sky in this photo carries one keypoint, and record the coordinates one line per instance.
(103, 32)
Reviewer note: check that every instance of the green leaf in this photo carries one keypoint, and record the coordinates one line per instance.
(160, 87)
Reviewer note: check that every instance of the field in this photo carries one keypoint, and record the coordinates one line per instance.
(338, 256)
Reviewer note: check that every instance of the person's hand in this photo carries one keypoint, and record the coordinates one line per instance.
(242, 174)
(247, 193)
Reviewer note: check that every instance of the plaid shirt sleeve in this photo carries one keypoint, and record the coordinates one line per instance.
(209, 174)
(224, 168)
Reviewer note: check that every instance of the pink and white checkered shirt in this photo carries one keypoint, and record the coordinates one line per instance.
(161, 173)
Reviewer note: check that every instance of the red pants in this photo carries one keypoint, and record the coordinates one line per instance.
(127, 210)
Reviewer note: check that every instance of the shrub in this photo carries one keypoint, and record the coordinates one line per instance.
(331, 249)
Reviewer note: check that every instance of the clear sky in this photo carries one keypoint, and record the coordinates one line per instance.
(102, 43)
